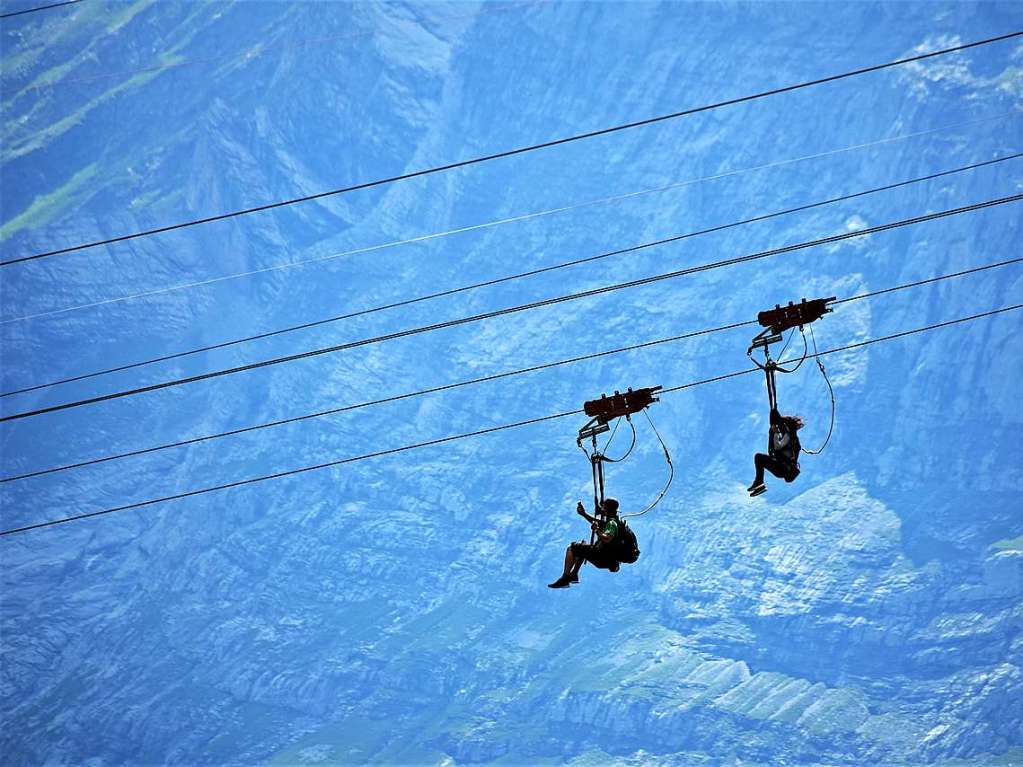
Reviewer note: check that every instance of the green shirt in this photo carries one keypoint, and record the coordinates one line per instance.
(611, 528)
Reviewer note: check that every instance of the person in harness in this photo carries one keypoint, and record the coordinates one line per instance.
(615, 544)
(783, 448)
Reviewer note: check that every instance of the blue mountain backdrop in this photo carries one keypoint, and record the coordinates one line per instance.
(395, 610)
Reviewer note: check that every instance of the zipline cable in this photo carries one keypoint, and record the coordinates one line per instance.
(384, 400)
(485, 379)
(467, 435)
(12, 14)
(515, 309)
(857, 345)
(507, 278)
(519, 150)
(418, 239)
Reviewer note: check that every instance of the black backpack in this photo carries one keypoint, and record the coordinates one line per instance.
(628, 546)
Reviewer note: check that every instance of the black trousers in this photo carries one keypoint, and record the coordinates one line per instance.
(595, 555)
(781, 469)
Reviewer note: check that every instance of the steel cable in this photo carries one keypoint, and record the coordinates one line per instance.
(466, 435)
(514, 309)
(518, 150)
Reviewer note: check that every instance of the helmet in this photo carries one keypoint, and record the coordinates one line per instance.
(610, 505)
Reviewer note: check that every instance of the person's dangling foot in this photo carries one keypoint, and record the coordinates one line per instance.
(758, 490)
(560, 583)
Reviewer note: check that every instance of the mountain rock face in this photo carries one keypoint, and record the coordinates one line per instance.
(394, 609)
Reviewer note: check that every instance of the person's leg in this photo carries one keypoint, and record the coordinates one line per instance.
(573, 574)
(776, 467)
(571, 562)
(759, 462)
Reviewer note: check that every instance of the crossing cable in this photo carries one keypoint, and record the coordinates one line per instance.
(515, 309)
(467, 435)
(506, 278)
(488, 378)
(12, 14)
(421, 238)
(516, 151)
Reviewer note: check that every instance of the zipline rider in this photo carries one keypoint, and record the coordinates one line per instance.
(603, 554)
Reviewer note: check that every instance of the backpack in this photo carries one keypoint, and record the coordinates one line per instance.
(628, 546)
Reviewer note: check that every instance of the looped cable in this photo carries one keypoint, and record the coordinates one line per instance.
(831, 392)
(671, 472)
(802, 359)
(631, 446)
(786, 344)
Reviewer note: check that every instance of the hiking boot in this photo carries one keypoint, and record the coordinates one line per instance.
(560, 583)
(758, 490)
